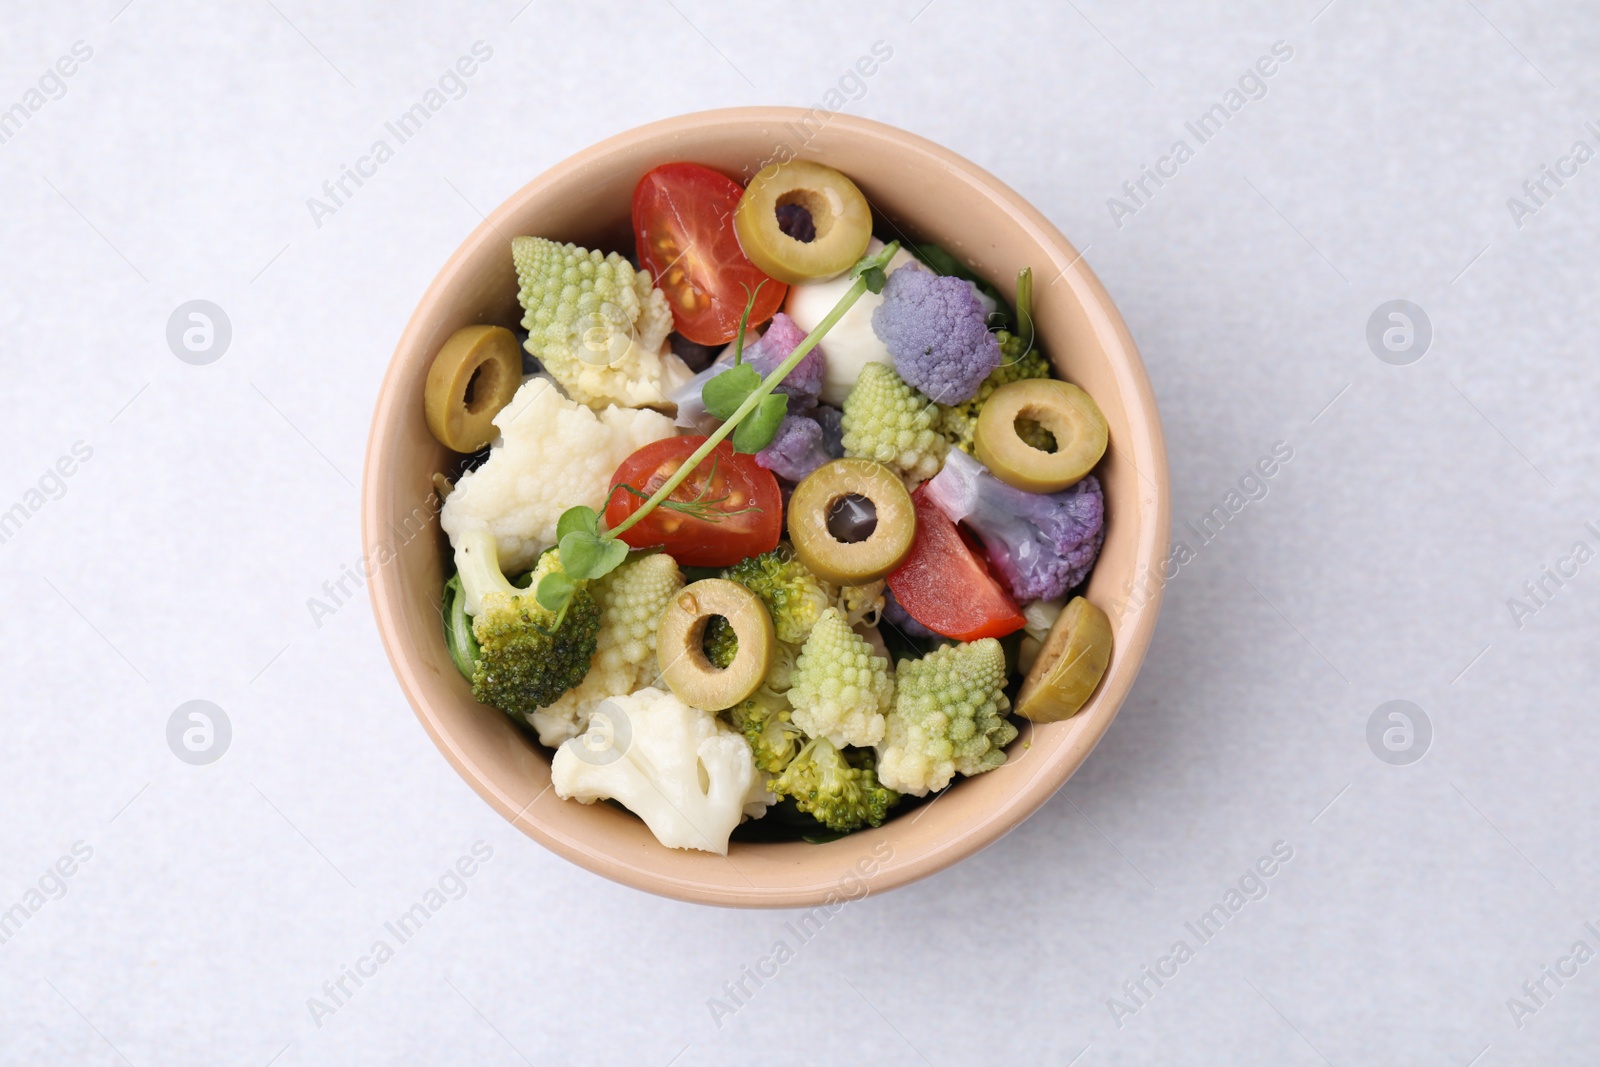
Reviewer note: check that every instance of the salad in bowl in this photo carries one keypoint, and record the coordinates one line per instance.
(770, 526)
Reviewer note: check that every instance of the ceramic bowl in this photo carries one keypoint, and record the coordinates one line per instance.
(926, 193)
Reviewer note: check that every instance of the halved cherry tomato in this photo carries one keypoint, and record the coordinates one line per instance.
(683, 222)
(729, 508)
(945, 583)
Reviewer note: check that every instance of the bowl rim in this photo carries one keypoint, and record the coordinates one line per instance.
(1152, 505)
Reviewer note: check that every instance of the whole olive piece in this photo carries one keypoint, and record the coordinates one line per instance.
(1070, 665)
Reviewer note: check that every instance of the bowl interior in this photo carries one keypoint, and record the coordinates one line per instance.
(929, 194)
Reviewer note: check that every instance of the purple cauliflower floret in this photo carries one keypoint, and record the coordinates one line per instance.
(1042, 544)
(804, 383)
(937, 331)
(796, 449)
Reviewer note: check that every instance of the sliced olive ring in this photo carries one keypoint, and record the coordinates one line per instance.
(680, 644)
(1067, 412)
(802, 222)
(851, 562)
(475, 374)
(1070, 665)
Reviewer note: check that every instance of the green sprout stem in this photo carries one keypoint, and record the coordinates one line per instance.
(744, 319)
(1025, 307)
(768, 384)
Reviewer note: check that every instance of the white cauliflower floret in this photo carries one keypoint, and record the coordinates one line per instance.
(678, 768)
(631, 600)
(552, 454)
(599, 326)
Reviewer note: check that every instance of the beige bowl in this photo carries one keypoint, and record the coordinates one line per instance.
(935, 195)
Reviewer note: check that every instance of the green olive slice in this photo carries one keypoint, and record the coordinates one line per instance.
(1069, 413)
(802, 222)
(680, 644)
(475, 374)
(1070, 665)
(828, 490)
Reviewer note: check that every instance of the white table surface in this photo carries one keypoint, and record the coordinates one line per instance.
(177, 561)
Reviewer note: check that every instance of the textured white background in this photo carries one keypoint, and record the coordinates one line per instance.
(220, 498)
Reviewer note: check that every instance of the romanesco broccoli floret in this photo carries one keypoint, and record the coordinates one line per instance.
(843, 793)
(949, 715)
(598, 326)
(888, 421)
(841, 688)
(764, 719)
(959, 422)
(631, 600)
(525, 660)
(794, 596)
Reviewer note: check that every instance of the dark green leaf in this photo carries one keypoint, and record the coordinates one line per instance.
(575, 519)
(758, 428)
(555, 589)
(724, 393)
(585, 556)
(695, 574)
(459, 638)
(942, 262)
(875, 279)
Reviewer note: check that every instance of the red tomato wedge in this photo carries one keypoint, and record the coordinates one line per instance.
(683, 223)
(945, 583)
(729, 508)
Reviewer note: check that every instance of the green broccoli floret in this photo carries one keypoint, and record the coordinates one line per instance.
(842, 793)
(525, 660)
(841, 688)
(795, 598)
(631, 600)
(949, 715)
(887, 420)
(721, 644)
(764, 719)
(595, 323)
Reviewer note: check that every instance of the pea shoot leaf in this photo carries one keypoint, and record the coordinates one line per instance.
(723, 394)
(555, 589)
(585, 555)
(758, 428)
(578, 518)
